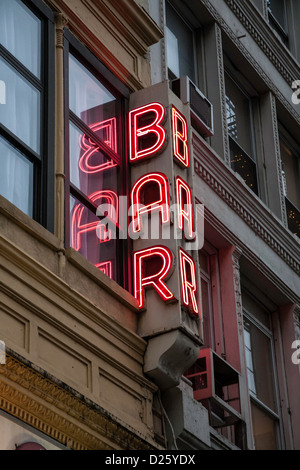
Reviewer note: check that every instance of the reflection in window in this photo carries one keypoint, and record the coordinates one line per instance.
(95, 169)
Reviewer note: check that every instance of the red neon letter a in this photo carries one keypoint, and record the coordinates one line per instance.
(143, 261)
(146, 138)
(162, 203)
(185, 207)
(188, 281)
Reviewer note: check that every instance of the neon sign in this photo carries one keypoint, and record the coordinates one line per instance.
(188, 281)
(152, 265)
(140, 206)
(140, 128)
(185, 207)
(89, 148)
(180, 138)
(142, 279)
(78, 228)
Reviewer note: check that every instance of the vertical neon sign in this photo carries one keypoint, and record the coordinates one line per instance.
(156, 279)
(139, 128)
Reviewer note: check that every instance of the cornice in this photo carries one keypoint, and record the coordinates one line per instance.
(251, 59)
(210, 168)
(259, 28)
(51, 407)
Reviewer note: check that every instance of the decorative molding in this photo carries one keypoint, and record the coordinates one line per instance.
(251, 60)
(258, 27)
(237, 287)
(120, 34)
(61, 413)
(231, 189)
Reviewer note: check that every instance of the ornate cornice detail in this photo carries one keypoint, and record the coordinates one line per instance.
(221, 179)
(59, 412)
(251, 60)
(259, 28)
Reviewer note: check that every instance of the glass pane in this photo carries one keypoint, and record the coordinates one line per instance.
(264, 429)
(277, 8)
(20, 33)
(93, 238)
(290, 174)
(89, 99)
(90, 169)
(238, 116)
(21, 111)
(258, 345)
(180, 45)
(16, 177)
(243, 165)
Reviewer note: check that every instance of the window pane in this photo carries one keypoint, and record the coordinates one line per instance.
(95, 240)
(16, 177)
(260, 367)
(264, 429)
(238, 116)
(90, 169)
(89, 99)
(20, 33)
(290, 174)
(180, 45)
(21, 111)
(277, 8)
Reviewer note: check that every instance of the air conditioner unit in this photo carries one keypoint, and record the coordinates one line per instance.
(201, 108)
(211, 377)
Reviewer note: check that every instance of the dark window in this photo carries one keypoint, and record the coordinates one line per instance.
(180, 46)
(97, 178)
(261, 374)
(278, 18)
(26, 107)
(240, 131)
(290, 159)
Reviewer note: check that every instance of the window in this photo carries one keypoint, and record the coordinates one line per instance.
(290, 159)
(261, 373)
(206, 273)
(180, 46)
(26, 119)
(239, 115)
(95, 161)
(278, 18)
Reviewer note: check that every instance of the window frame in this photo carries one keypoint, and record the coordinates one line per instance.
(267, 331)
(291, 143)
(44, 171)
(169, 73)
(278, 28)
(252, 96)
(73, 46)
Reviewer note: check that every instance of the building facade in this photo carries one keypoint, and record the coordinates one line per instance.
(149, 224)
